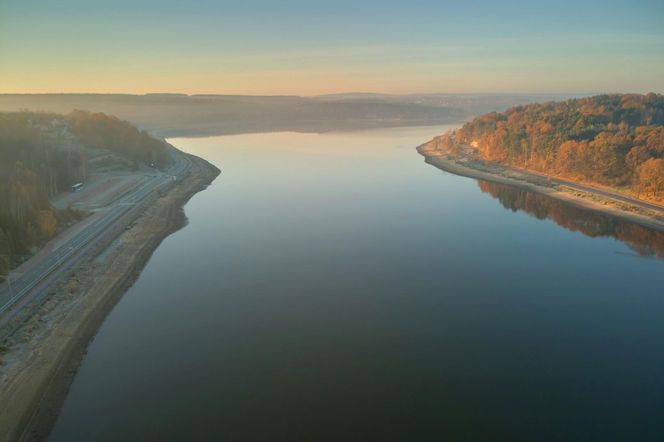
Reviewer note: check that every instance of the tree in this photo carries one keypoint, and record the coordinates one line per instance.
(651, 177)
(604, 139)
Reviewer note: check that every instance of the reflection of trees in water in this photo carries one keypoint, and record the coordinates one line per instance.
(644, 241)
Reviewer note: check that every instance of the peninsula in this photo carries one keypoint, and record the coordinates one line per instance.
(604, 153)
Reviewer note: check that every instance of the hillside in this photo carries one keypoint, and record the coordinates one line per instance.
(44, 154)
(199, 115)
(608, 140)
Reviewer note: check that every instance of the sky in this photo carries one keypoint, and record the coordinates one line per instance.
(298, 47)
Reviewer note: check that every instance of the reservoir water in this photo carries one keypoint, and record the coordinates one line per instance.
(335, 287)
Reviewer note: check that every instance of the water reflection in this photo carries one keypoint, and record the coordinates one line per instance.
(644, 241)
(328, 287)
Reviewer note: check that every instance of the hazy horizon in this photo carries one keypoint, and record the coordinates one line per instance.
(337, 94)
(298, 48)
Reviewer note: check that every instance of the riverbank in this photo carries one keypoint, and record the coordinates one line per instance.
(580, 196)
(41, 351)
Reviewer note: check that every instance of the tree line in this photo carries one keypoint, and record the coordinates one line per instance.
(99, 130)
(615, 140)
(42, 154)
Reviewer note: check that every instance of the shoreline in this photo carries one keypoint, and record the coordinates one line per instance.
(535, 183)
(48, 343)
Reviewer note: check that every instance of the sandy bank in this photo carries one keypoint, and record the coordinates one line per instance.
(43, 348)
(649, 218)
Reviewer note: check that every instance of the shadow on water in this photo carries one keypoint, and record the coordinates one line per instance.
(644, 241)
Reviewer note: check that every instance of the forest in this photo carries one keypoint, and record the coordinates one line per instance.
(614, 140)
(42, 154)
(98, 130)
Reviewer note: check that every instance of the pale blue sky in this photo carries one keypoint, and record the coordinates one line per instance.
(306, 48)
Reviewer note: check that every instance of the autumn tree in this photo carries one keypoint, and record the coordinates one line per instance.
(651, 177)
(606, 139)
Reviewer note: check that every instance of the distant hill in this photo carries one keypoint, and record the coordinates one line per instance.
(614, 140)
(180, 115)
(469, 104)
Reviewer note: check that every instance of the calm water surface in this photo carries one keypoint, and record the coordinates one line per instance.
(335, 287)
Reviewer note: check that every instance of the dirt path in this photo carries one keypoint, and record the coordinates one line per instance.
(621, 206)
(43, 350)
(602, 191)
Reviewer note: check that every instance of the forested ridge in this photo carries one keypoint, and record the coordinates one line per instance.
(615, 140)
(42, 154)
(103, 131)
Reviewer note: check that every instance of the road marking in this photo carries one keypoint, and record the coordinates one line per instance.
(90, 233)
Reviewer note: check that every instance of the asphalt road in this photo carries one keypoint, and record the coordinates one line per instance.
(586, 188)
(609, 194)
(107, 224)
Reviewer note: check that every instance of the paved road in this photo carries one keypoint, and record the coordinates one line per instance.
(600, 191)
(106, 224)
(468, 153)
(609, 194)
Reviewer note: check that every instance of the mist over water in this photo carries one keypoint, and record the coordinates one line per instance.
(336, 287)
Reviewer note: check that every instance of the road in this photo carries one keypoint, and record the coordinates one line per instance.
(613, 195)
(592, 189)
(105, 225)
(468, 153)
